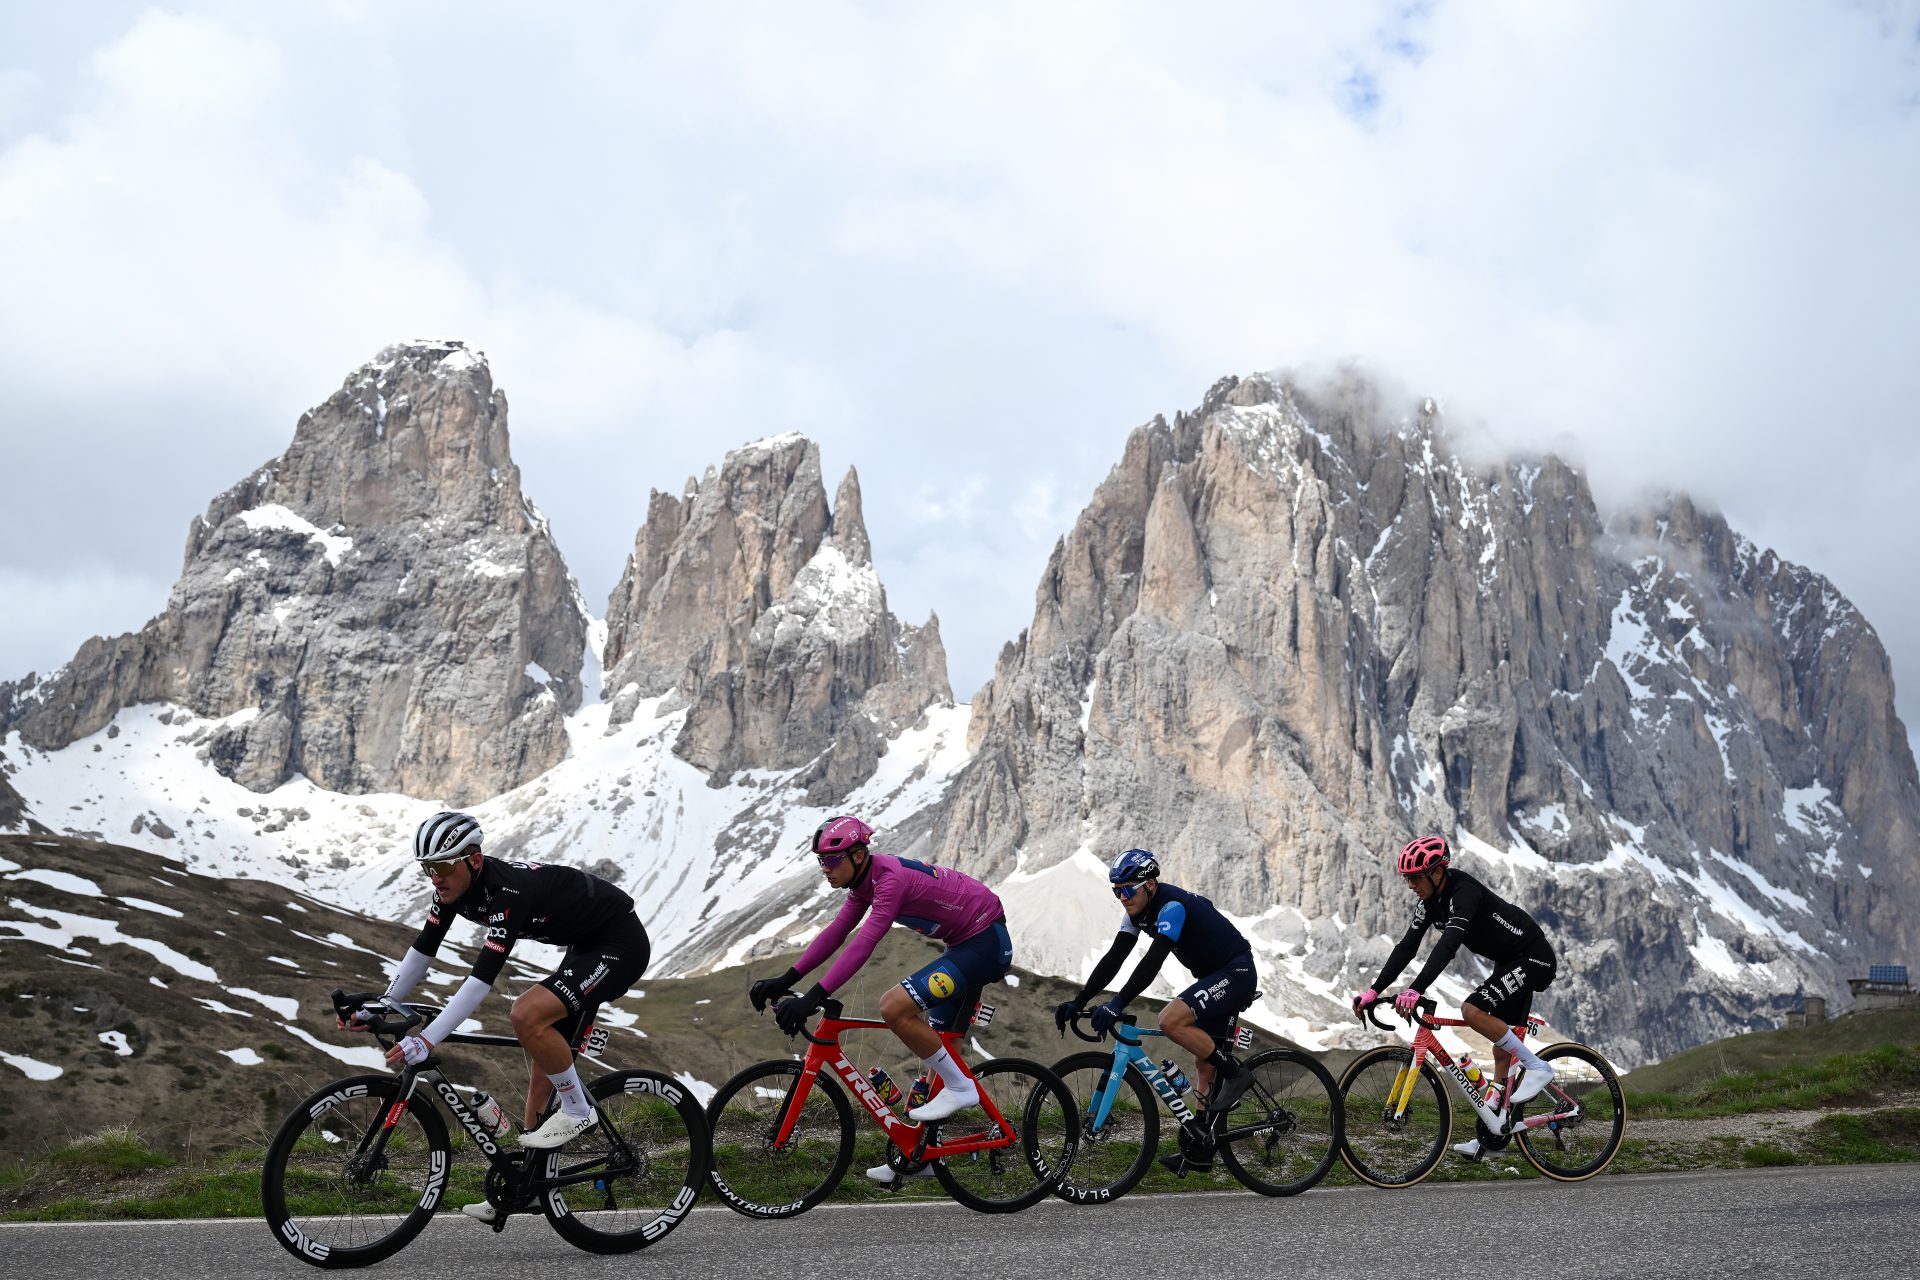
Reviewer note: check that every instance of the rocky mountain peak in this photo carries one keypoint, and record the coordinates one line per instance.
(379, 608)
(1299, 625)
(759, 606)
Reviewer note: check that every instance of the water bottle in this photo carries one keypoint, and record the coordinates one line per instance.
(1175, 1076)
(884, 1086)
(918, 1092)
(1472, 1068)
(491, 1117)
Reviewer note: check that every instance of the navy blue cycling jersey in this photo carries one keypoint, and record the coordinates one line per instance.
(1202, 938)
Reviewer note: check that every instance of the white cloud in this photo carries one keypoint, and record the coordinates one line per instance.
(1672, 241)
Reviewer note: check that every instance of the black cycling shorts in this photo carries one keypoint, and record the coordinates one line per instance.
(1218, 996)
(595, 972)
(1508, 994)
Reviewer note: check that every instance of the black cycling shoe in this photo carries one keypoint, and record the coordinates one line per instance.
(1176, 1162)
(1228, 1091)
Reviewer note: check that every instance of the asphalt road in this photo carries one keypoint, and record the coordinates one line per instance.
(1860, 1220)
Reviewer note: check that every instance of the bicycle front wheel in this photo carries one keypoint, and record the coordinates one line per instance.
(1115, 1150)
(1590, 1115)
(1395, 1128)
(335, 1193)
(753, 1171)
(652, 1172)
(1045, 1125)
(1284, 1132)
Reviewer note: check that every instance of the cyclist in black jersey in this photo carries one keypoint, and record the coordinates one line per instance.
(1191, 929)
(1466, 911)
(607, 952)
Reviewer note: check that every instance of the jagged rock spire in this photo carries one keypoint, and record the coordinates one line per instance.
(760, 608)
(379, 608)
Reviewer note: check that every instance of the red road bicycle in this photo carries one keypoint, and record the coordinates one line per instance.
(1398, 1120)
(783, 1131)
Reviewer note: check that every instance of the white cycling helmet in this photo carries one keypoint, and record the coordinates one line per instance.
(445, 836)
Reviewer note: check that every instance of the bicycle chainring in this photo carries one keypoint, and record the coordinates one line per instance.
(1197, 1147)
(1489, 1140)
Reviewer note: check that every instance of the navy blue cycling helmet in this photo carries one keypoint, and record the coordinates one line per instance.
(1132, 867)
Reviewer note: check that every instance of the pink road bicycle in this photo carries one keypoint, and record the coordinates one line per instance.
(1398, 1119)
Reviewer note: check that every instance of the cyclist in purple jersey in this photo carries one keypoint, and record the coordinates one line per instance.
(939, 902)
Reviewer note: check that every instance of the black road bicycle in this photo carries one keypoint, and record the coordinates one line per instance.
(358, 1169)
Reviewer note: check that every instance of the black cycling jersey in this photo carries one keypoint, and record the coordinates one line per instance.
(515, 900)
(1465, 911)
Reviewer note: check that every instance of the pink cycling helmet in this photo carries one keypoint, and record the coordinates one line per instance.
(837, 835)
(1423, 854)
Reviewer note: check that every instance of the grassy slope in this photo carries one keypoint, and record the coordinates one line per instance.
(1768, 1050)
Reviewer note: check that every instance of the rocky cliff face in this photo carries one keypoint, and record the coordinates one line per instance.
(1292, 629)
(757, 605)
(380, 608)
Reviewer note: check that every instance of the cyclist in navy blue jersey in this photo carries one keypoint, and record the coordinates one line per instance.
(607, 952)
(1466, 912)
(1191, 929)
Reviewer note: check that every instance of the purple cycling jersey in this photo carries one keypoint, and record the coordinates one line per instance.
(936, 901)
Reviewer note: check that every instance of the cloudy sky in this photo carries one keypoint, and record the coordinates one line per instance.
(966, 248)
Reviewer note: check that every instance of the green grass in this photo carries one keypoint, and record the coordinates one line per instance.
(118, 1150)
(115, 1173)
(1850, 1079)
(1768, 1050)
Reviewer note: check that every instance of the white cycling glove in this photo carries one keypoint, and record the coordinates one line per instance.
(415, 1050)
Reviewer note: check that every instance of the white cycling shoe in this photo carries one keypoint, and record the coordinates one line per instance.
(886, 1175)
(559, 1130)
(946, 1102)
(482, 1211)
(1532, 1081)
(1470, 1148)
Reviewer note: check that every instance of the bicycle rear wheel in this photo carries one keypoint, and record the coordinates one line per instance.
(1383, 1143)
(1116, 1153)
(762, 1179)
(1583, 1143)
(329, 1199)
(664, 1132)
(1045, 1124)
(1283, 1134)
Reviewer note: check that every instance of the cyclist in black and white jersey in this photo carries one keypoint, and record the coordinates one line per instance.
(1188, 927)
(1468, 913)
(607, 952)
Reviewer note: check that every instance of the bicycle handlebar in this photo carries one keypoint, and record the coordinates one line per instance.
(1126, 1019)
(398, 1018)
(829, 1008)
(1422, 1012)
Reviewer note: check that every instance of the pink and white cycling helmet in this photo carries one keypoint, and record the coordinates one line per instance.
(1423, 854)
(837, 835)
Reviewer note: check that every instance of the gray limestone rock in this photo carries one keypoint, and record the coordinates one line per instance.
(379, 608)
(1295, 628)
(756, 603)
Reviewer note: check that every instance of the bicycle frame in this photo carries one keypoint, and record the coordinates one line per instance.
(825, 1053)
(1127, 1052)
(1426, 1044)
(508, 1164)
